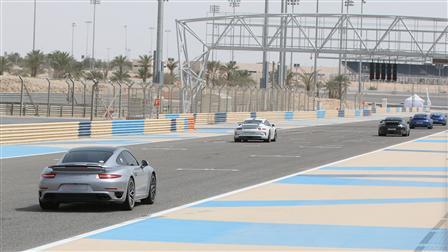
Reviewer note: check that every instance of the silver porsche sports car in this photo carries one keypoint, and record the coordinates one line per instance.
(97, 174)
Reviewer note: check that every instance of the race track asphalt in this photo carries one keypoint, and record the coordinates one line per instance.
(25, 226)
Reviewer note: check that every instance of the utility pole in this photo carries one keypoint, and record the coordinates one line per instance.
(95, 3)
(315, 56)
(158, 67)
(348, 3)
(125, 40)
(34, 26)
(360, 57)
(340, 38)
(265, 77)
(292, 3)
(281, 69)
(87, 38)
(214, 9)
(73, 38)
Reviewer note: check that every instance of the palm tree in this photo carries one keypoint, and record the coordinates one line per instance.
(94, 75)
(145, 65)
(5, 64)
(289, 78)
(122, 64)
(34, 60)
(241, 78)
(307, 79)
(337, 86)
(229, 69)
(213, 69)
(60, 62)
(171, 65)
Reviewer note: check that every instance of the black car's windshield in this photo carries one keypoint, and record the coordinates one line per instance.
(84, 156)
(436, 115)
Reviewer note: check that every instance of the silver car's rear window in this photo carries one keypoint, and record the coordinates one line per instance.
(250, 126)
(90, 156)
(252, 122)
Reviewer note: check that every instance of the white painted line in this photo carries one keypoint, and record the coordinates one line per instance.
(273, 156)
(164, 212)
(32, 155)
(205, 169)
(321, 147)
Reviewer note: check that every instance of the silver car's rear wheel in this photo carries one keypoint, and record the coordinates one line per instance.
(129, 203)
(152, 191)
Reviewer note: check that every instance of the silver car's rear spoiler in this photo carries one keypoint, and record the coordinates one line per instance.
(77, 167)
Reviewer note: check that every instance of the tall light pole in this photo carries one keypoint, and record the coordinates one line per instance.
(234, 4)
(94, 3)
(360, 56)
(34, 26)
(214, 9)
(265, 77)
(73, 37)
(281, 68)
(340, 39)
(151, 39)
(87, 38)
(158, 67)
(167, 31)
(315, 55)
(292, 3)
(125, 40)
(347, 3)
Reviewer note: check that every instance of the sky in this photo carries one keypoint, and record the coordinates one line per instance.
(55, 18)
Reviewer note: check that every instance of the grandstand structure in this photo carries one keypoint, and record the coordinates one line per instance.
(354, 38)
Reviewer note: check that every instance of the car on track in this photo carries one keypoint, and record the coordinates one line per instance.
(98, 174)
(394, 125)
(439, 118)
(421, 120)
(255, 129)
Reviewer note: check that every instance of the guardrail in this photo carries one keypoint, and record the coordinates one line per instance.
(33, 132)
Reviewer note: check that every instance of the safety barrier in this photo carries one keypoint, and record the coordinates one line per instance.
(21, 133)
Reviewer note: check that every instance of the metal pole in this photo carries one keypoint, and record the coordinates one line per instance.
(73, 96)
(315, 56)
(119, 100)
(265, 77)
(21, 95)
(92, 64)
(87, 38)
(34, 27)
(159, 52)
(73, 37)
(95, 83)
(282, 35)
(340, 38)
(360, 57)
(125, 40)
(48, 97)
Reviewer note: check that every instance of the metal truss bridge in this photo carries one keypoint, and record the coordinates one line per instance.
(328, 36)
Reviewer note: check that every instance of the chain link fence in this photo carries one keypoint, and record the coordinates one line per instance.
(131, 100)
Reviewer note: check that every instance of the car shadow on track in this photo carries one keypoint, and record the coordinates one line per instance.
(77, 208)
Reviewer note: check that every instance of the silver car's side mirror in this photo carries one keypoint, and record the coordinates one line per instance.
(273, 125)
(144, 163)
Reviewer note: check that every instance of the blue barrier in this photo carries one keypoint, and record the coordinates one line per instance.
(172, 116)
(289, 115)
(388, 109)
(220, 117)
(398, 109)
(186, 123)
(84, 129)
(253, 114)
(320, 113)
(366, 112)
(357, 113)
(173, 125)
(120, 127)
(341, 113)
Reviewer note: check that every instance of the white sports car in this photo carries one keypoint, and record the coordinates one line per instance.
(255, 129)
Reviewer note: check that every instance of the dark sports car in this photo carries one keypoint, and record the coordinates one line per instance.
(438, 118)
(421, 120)
(393, 125)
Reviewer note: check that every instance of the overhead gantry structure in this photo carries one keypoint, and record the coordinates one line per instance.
(385, 38)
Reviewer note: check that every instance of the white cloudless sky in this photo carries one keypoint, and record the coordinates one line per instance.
(55, 18)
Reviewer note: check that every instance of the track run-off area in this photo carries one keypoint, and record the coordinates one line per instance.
(393, 197)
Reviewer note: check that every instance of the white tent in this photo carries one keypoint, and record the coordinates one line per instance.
(418, 102)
